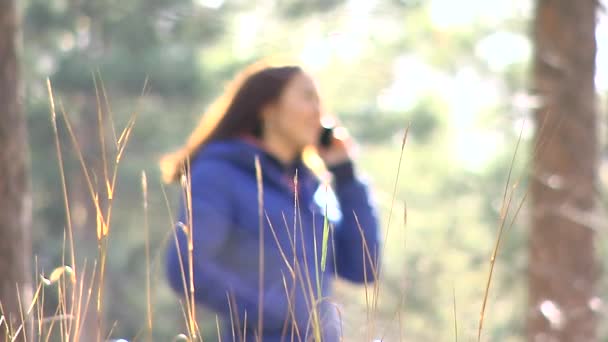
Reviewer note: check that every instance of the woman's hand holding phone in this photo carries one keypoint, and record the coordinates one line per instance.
(335, 144)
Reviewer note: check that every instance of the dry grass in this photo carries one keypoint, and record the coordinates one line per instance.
(74, 284)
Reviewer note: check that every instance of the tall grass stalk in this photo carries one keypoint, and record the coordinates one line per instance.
(79, 286)
(72, 293)
(261, 237)
(193, 328)
(455, 314)
(506, 205)
(144, 186)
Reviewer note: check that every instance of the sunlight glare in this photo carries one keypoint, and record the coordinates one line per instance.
(316, 54)
(553, 314)
(502, 49)
(448, 13)
(213, 4)
(403, 93)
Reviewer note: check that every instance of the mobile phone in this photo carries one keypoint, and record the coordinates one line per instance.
(326, 136)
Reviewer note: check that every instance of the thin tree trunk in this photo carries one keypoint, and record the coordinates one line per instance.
(562, 260)
(15, 200)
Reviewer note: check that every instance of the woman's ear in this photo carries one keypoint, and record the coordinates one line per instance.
(266, 118)
(269, 113)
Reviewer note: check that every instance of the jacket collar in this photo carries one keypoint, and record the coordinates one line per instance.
(242, 151)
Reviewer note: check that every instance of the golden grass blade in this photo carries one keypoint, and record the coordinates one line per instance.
(491, 272)
(397, 316)
(376, 290)
(34, 302)
(144, 186)
(107, 338)
(21, 315)
(57, 318)
(325, 241)
(390, 214)
(316, 255)
(512, 164)
(63, 286)
(123, 135)
(85, 171)
(305, 277)
(186, 184)
(503, 217)
(124, 138)
(102, 227)
(295, 212)
(394, 196)
(234, 326)
(58, 150)
(57, 273)
(281, 251)
(217, 325)
(18, 333)
(455, 315)
(52, 325)
(245, 324)
(101, 126)
(404, 213)
(260, 186)
(104, 93)
(79, 311)
(6, 322)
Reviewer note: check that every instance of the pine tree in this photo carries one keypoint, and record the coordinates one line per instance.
(15, 203)
(562, 262)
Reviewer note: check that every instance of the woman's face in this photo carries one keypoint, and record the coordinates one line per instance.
(296, 115)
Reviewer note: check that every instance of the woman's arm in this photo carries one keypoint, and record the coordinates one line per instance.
(356, 237)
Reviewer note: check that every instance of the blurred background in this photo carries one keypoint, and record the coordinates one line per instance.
(456, 72)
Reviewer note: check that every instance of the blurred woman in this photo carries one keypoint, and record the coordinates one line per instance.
(256, 213)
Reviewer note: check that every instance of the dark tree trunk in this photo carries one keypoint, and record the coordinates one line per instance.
(562, 260)
(15, 200)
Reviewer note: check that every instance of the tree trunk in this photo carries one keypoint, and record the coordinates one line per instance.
(562, 260)
(15, 200)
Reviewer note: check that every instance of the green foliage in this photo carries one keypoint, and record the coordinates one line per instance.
(127, 42)
(300, 9)
(170, 74)
(374, 126)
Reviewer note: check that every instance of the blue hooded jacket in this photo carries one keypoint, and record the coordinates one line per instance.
(227, 248)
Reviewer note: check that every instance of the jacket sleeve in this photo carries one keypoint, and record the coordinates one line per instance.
(214, 282)
(356, 237)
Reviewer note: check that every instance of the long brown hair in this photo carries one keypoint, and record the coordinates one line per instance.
(236, 112)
